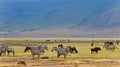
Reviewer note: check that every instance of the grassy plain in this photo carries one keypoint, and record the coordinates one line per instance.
(84, 58)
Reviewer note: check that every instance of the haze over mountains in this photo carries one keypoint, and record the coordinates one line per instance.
(60, 18)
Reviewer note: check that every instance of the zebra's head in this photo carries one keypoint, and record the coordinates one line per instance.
(54, 49)
(27, 48)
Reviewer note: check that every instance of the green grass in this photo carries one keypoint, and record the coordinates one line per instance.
(84, 55)
(83, 52)
(53, 41)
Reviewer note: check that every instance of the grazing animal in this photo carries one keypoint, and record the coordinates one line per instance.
(34, 51)
(72, 49)
(10, 50)
(95, 49)
(60, 51)
(109, 46)
(117, 42)
(47, 40)
(68, 40)
(92, 44)
(60, 46)
(43, 48)
(4, 49)
(1, 51)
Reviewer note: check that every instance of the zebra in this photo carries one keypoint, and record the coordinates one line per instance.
(35, 50)
(3, 49)
(109, 45)
(60, 51)
(43, 48)
(12, 50)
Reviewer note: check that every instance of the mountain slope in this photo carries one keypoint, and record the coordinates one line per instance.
(32, 15)
(108, 19)
(101, 25)
(66, 17)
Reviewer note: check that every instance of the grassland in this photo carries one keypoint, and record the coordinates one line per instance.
(84, 58)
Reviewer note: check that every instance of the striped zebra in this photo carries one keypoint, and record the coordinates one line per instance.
(10, 50)
(36, 50)
(109, 46)
(60, 51)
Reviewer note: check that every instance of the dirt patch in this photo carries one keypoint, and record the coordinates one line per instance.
(12, 62)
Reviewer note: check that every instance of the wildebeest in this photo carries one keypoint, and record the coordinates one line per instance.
(60, 51)
(47, 40)
(60, 46)
(95, 49)
(72, 49)
(109, 46)
(117, 42)
(92, 44)
(34, 51)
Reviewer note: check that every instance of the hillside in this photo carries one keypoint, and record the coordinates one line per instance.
(71, 18)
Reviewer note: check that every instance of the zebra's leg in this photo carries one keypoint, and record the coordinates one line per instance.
(8, 53)
(0, 53)
(4, 53)
(42, 52)
(58, 55)
(39, 56)
(64, 56)
(33, 56)
(13, 53)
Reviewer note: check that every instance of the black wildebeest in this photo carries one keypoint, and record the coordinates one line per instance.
(60, 46)
(47, 40)
(92, 44)
(95, 49)
(60, 51)
(72, 49)
(117, 42)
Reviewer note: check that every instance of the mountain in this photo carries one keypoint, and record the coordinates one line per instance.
(108, 19)
(59, 18)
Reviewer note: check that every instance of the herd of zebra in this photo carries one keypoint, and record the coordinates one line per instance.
(5, 48)
(60, 49)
